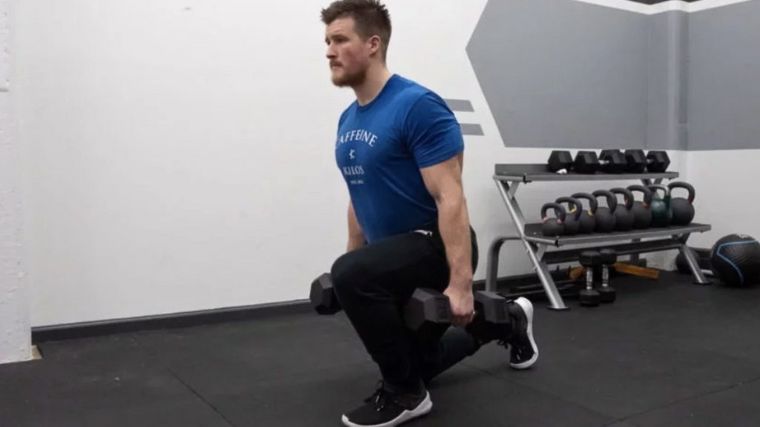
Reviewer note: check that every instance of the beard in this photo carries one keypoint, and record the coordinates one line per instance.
(350, 79)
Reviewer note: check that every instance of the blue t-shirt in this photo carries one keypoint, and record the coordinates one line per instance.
(381, 148)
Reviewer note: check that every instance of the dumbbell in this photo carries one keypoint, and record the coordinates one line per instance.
(322, 295)
(612, 161)
(589, 297)
(609, 161)
(560, 161)
(653, 161)
(586, 162)
(607, 257)
(428, 307)
(425, 307)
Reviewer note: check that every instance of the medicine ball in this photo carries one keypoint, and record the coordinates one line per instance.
(735, 259)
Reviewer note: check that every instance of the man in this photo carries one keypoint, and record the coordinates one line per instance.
(400, 150)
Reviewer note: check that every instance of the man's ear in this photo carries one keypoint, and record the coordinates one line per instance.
(375, 43)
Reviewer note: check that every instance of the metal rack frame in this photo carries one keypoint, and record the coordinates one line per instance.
(508, 178)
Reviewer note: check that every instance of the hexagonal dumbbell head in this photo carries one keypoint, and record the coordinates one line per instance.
(559, 161)
(612, 161)
(322, 295)
(636, 161)
(607, 256)
(657, 161)
(586, 162)
(426, 307)
(492, 307)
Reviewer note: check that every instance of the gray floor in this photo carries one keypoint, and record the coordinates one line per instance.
(667, 353)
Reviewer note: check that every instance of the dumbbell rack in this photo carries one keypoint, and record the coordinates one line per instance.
(508, 178)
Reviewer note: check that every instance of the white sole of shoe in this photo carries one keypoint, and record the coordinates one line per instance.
(527, 307)
(423, 408)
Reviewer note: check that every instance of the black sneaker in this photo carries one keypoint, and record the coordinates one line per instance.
(386, 409)
(523, 351)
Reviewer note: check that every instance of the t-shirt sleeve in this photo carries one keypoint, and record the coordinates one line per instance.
(433, 133)
(342, 119)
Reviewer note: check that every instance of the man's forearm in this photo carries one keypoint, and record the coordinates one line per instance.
(454, 225)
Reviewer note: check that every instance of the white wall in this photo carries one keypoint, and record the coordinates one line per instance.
(177, 155)
(15, 336)
(726, 193)
(722, 110)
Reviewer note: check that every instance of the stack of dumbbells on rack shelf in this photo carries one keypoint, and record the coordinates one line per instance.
(656, 209)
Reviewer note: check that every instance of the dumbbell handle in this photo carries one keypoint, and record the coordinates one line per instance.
(589, 278)
(428, 305)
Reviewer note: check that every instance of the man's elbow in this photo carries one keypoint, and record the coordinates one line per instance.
(453, 199)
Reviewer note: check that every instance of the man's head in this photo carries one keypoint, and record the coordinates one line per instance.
(357, 37)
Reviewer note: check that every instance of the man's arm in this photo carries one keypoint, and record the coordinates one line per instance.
(355, 233)
(444, 182)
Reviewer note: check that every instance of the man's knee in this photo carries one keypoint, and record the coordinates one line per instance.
(348, 275)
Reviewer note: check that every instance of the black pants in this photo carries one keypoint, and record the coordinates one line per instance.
(372, 285)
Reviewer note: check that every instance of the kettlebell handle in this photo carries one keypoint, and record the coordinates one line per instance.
(592, 203)
(559, 211)
(686, 185)
(611, 199)
(572, 201)
(655, 187)
(627, 196)
(647, 193)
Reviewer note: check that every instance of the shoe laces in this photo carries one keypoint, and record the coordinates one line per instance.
(379, 398)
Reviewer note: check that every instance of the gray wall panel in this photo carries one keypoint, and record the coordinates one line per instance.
(577, 75)
(724, 78)
(667, 83)
(563, 74)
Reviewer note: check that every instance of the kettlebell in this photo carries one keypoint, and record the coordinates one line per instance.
(623, 214)
(661, 213)
(553, 226)
(683, 209)
(588, 218)
(642, 213)
(572, 221)
(605, 216)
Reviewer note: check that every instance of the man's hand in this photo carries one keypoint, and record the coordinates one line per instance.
(462, 305)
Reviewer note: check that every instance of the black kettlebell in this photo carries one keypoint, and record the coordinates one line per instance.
(605, 216)
(623, 214)
(574, 211)
(588, 216)
(683, 209)
(553, 226)
(642, 213)
(661, 213)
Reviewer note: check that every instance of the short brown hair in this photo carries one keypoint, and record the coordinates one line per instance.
(370, 17)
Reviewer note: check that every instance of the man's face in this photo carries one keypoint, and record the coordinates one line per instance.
(348, 54)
